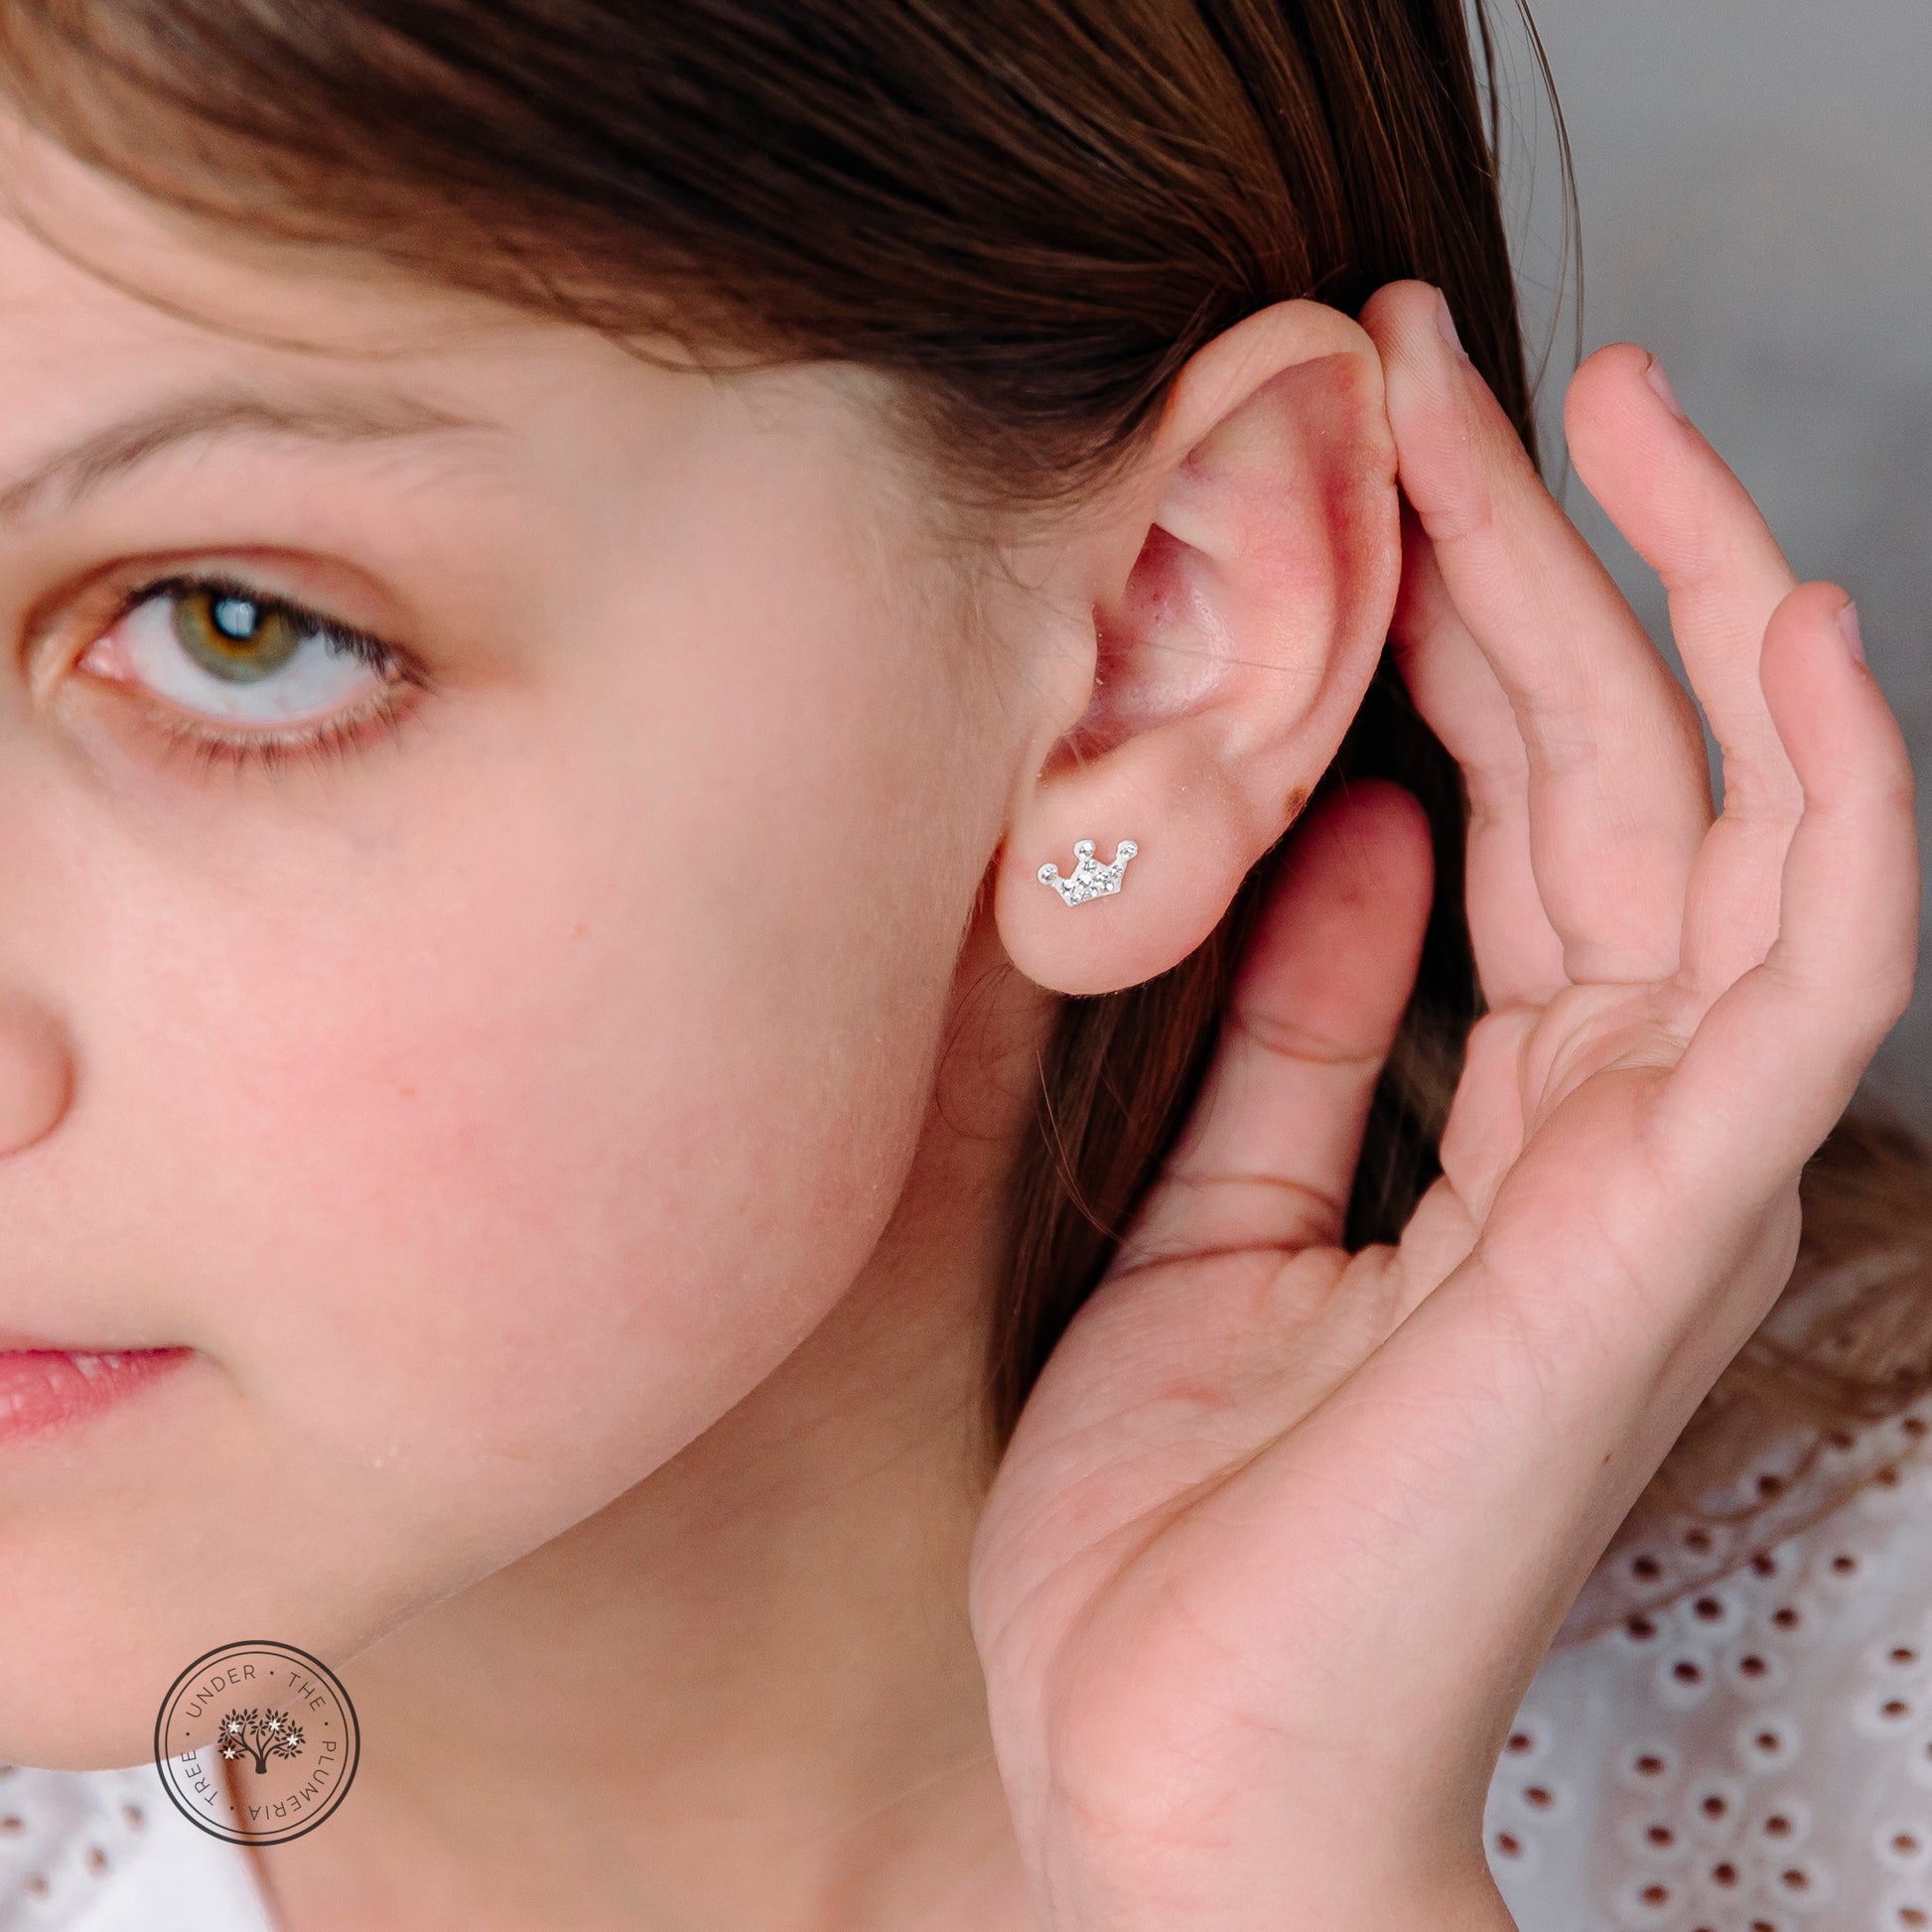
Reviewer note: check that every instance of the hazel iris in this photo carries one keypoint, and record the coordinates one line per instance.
(238, 638)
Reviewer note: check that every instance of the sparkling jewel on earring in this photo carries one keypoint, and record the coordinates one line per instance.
(1090, 880)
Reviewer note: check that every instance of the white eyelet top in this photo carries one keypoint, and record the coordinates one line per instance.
(1700, 1751)
(1750, 1755)
(106, 1852)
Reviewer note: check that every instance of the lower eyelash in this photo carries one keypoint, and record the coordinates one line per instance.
(328, 745)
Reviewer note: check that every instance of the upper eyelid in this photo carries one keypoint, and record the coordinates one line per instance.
(55, 631)
(146, 591)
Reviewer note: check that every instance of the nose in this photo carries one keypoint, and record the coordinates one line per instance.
(36, 1073)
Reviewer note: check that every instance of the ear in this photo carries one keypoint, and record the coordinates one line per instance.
(1224, 608)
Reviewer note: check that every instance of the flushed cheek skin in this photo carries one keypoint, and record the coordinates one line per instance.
(491, 1111)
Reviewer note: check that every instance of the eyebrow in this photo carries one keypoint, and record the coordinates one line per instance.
(62, 478)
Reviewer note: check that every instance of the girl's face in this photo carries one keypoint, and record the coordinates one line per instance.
(489, 1092)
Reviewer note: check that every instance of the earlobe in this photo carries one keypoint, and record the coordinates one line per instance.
(1240, 583)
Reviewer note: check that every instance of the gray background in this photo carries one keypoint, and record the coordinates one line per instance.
(1757, 193)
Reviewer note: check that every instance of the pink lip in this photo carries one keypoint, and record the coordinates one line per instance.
(43, 1389)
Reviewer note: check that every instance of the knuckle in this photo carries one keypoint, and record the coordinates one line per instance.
(1898, 795)
(1880, 1003)
(1459, 509)
(1893, 998)
(1691, 557)
(1292, 1041)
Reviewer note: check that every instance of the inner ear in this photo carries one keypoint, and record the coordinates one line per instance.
(1145, 643)
(1275, 552)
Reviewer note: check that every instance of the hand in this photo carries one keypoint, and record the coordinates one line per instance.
(1284, 1532)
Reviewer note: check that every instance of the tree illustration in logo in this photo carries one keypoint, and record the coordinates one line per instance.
(261, 1735)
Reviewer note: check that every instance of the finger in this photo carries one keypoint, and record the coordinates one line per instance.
(1268, 1153)
(1689, 518)
(1774, 1062)
(1619, 792)
(1518, 955)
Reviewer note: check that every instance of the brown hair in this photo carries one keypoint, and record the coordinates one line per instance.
(1033, 211)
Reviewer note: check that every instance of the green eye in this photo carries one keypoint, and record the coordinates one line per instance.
(240, 639)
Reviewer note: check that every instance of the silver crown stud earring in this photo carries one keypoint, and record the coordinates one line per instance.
(1090, 880)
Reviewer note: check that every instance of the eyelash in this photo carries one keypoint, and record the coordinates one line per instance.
(327, 744)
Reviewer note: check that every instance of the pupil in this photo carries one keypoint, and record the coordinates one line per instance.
(236, 617)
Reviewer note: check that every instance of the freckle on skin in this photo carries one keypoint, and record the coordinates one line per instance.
(1296, 801)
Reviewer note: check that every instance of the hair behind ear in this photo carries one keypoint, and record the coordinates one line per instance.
(1372, 111)
(1122, 1070)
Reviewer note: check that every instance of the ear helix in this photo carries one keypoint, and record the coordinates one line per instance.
(1090, 880)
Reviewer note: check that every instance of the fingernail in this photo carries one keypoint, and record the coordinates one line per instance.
(1848, 623)
(1445, 323)
(1658, 380)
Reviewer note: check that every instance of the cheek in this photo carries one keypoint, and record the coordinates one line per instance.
(507, 1163)
(492, 1147)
